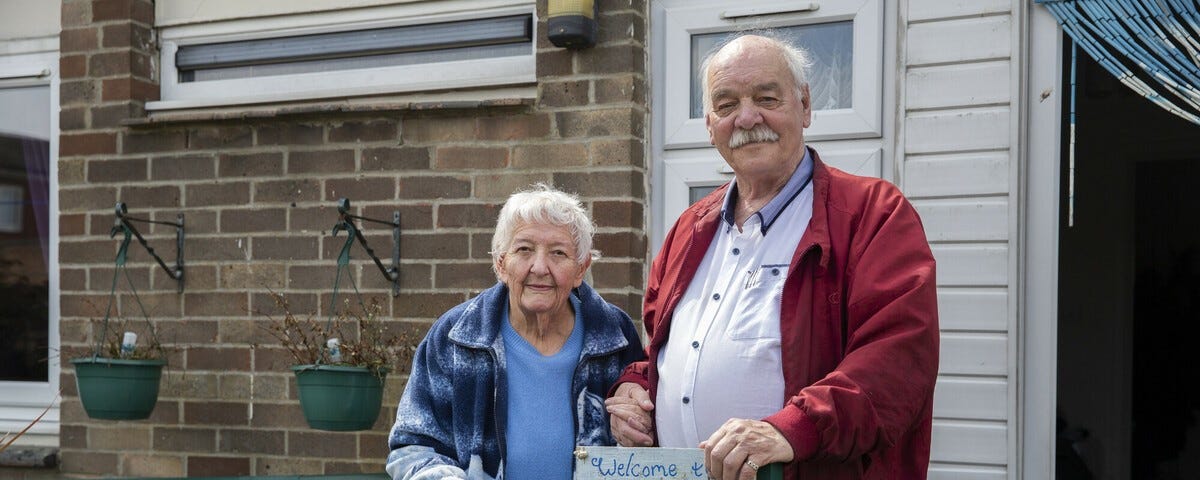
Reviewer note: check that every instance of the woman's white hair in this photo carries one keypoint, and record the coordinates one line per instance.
(543, 204)
(796, 58)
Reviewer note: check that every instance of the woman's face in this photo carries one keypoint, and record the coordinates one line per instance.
(540, 269)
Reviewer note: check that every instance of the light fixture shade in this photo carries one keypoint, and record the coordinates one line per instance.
(571, 23)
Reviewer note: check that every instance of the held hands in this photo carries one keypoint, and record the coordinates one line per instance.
(739, 447)
(630, 419)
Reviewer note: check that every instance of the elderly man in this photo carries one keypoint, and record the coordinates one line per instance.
(792, 314)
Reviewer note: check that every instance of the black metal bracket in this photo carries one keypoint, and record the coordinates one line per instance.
(346, 222)
(122, 224)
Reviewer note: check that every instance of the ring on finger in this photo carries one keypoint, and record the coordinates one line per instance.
(751, 464)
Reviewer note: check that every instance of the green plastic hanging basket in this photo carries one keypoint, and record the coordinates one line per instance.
(340, 398)
(118, 389)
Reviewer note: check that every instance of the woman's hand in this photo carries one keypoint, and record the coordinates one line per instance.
(740, 447)
(629, 414)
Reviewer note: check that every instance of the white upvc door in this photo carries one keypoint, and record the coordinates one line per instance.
(29, 85)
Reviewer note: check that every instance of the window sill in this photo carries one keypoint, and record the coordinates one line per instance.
(517, 97)
(31, 457)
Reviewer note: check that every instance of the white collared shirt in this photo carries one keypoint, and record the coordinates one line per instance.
(723, 359)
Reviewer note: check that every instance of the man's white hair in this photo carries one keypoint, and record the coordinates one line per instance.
(796, 58)
(543, 205)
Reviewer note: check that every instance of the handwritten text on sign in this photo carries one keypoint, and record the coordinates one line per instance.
(598, 463)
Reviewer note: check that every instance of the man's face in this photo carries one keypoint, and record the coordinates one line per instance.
(758, 114)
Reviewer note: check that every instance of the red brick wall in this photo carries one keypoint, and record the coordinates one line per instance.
(259, 199)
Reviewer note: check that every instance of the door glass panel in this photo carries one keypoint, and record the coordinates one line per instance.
(24, 234)
(696, 193)
(830, 48)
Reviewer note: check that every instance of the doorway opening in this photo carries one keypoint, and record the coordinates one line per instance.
(1129, 287)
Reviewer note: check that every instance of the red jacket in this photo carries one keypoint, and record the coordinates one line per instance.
(859, 328)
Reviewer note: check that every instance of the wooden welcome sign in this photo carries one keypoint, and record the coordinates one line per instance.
(625, 463)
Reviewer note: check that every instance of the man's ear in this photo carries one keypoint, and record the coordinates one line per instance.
(806, 101)
(712, 138)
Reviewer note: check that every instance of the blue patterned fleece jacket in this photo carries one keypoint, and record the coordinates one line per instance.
(450, 422)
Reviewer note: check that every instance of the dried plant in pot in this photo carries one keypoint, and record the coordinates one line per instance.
(340, 364)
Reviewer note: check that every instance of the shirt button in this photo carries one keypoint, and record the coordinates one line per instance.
(737, 251)
(686, 400)
(695, 344)
(716, 296)
(775, 272)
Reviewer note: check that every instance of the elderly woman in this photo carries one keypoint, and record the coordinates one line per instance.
(507, 383)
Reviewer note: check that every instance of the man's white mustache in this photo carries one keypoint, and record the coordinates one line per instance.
(760, 133)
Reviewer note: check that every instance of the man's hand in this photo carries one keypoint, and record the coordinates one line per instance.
(739, 446)
(629, 416)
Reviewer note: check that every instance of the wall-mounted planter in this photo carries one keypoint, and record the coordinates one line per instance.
(338, 397)
(118, 389)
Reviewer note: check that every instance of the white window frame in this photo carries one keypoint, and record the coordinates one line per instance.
(35, 63)
(492, 72)
(863, 120)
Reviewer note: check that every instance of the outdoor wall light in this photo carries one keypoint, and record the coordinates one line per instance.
(571, 23)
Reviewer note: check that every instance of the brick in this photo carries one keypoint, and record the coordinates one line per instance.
(283, 248)
(70, 172)
(235, 386)
(90, 199)
(87, 463)
(72, 436)
(500, 186)
(412, 217)
(554, 155)
(142, 66)
(108, 171)
(425, 304)
(184, 439)
(256, 276)
(458, 158)
(111, 116)
(119, 437)
(325, 445)
(516, 127)
(368, 131)
(215, 304)
(396, 158)
(622, 89)
(271, 387)
(262, 442)
(307, 277)
(216, 413)
(189, 331)
(444, 245)
(361, 189)
(374, 445)
(147, 197)
(603, 184)
(213, 194)
(313, 220)
(236, 330)
(481, 246)
(413, 187)
(185, 167)
(326, 161)
(290, 134)
(142, 11)
(629, 58)
(217, 466)
(288, 191)
(218, 359)
(617, 275)
(102, 65)
(159, 306)
(76, 92)
(600, 123)
(288, 466)
(153, 141)
(200, 277)
(153, 465)
(125, 89)
(265, 220)
(477, 215)
(87, 144)
(72, 66)
(110, 10)
(617, 153)
(555, 63)
(72, 119)
(437, 129)
(72, 280)
(220, 137)
(476, 276)
(278, 416)
(621, 245)
(74, 40)
(571, 93)
(261, 164)
(76, 13)
(83, 305)
(117, 36)
(621, 27)
(415, 276)
(274, 359)
(618, 213)
(69, 225)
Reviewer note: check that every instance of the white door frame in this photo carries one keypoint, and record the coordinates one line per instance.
(1037, 371)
